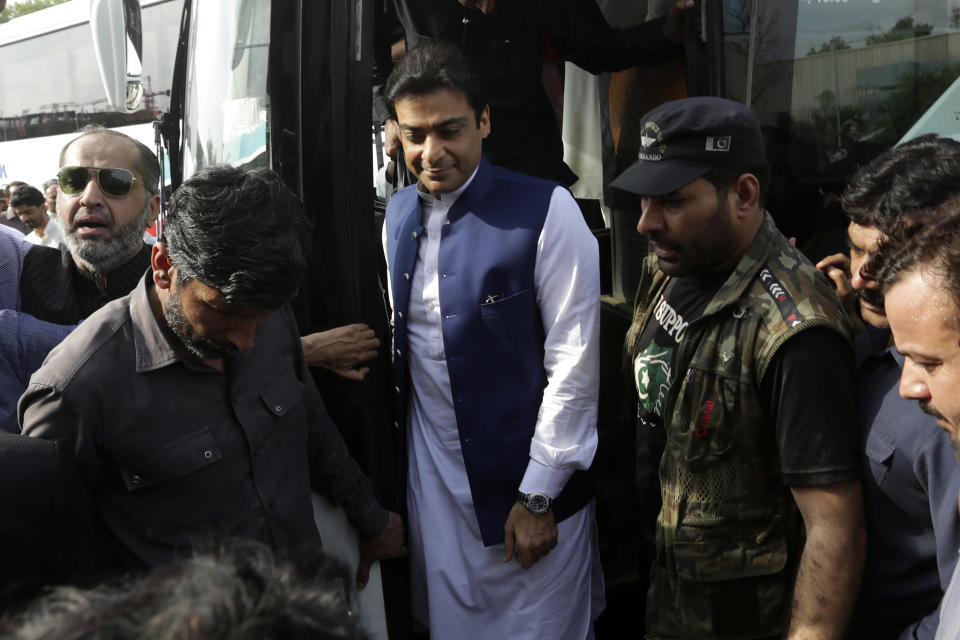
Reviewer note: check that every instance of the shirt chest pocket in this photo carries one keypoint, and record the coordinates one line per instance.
(283, 395)
(177, 459)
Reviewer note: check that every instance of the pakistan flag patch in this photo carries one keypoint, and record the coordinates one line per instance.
(654, 376)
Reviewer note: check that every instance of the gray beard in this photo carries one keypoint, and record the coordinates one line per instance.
(103, 256)
(203, 348)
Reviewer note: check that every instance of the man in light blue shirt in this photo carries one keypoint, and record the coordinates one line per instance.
(24, 344)
(24, 340)
(12, 249)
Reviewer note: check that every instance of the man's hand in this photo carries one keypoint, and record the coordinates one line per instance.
(673, 26)
(530, 536)
(391, 138)
(342, 350)
(837, 269)
(389, 544)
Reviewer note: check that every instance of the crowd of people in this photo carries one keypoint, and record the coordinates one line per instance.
(161, 432)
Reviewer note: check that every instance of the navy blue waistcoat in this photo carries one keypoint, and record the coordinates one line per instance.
(492, 332)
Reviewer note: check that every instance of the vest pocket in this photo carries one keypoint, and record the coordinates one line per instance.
(730, 580)
(703, 425)
(519, 302)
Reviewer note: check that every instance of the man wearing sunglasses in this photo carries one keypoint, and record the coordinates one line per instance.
(108, 196)
(188, 405)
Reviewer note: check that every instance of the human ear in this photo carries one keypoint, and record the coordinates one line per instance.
(160, 262)
(745, 193)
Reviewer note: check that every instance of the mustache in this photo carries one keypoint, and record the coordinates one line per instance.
(655, 238)
(873, 297)
(99, 213)
(930, 411)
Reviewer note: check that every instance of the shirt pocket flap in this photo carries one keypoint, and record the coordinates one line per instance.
(179, 458)
(282, 394)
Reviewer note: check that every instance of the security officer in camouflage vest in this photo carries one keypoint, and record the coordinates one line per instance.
(742, 362)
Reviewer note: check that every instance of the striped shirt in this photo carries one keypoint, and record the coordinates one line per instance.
(12, 251)
(52, 288)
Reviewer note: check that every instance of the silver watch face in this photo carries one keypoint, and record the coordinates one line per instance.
(537, 503)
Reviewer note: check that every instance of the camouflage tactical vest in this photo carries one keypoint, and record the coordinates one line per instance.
(729, 532)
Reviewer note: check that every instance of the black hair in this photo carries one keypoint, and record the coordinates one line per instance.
(147, 165)
(238, 591)
(434, 66)
(918, 174)
(242, 233)
(27, 196)
(723, 179)
(927, 240)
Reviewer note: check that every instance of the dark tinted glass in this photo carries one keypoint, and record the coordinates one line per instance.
(113, 182)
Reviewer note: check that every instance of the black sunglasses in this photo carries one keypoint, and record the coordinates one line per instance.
(115, 183)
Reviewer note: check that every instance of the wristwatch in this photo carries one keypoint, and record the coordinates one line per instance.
(536, 503)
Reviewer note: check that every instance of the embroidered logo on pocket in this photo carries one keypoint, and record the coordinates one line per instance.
(704, 427)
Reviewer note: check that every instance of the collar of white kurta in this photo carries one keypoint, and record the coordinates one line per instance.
(447, 199)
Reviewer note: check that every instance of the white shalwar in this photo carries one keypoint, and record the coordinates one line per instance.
(460, 588)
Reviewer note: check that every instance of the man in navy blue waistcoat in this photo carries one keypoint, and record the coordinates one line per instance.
(495, 288)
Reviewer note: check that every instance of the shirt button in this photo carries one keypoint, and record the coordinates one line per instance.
(272, 505)
(414, 235)
(208, 454)
(136, 479)
(277, 408)
(400, 314)
(406, 276)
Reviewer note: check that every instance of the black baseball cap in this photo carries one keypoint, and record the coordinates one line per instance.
(684, 139)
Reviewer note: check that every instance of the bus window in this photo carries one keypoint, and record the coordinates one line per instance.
(51, 84)
(835, 82)
(227, 105)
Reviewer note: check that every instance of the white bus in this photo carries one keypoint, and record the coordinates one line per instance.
(51, 85)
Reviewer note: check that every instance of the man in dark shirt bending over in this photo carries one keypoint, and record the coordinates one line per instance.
(187, 403)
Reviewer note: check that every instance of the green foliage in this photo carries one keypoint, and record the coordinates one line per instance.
(904, 29)
(836, 43)
(914, 94)
(26, 6)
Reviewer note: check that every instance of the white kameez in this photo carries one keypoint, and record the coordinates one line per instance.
(460, 588)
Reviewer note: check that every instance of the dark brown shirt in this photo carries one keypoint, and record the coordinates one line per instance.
(177, 452)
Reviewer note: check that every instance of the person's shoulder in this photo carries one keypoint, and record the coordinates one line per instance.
(401, 201)
(41, 255)
(9, 234)
(789, 283)
(95, 346)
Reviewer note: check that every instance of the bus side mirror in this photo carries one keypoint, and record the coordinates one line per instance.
(118, 43)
